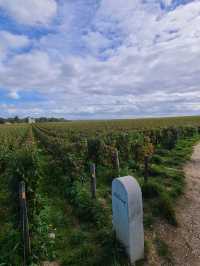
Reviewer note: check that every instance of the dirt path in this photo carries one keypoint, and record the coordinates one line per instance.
(184, 241)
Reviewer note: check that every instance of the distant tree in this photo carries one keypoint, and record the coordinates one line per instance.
(10, 120)
(16, 119)
(26, 120)
(50, 119)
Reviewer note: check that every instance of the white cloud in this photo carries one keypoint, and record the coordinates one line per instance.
(14, 95)
(9, 42)
(166, 3)
(95, 41)
(30, 12)
(13, 41)
(36, 71)
(118, 61)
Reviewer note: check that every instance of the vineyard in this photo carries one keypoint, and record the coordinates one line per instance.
(50, 210)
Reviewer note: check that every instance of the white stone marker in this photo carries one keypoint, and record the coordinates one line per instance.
(128, 215)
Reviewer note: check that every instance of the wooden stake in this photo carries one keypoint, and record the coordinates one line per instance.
(24, 223)
(117, 162)
(146, 168)
(93, 180)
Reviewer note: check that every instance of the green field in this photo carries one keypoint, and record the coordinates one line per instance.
(66, 224)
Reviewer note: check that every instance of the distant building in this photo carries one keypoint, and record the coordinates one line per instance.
(31, 120)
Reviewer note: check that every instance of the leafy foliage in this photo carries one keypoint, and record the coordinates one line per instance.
(66, 223)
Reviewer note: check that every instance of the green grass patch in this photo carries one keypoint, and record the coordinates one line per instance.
(166, 181)
(163, 250)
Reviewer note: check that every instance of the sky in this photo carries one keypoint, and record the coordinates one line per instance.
(99, 59)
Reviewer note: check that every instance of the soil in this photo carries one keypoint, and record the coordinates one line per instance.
(47, 263)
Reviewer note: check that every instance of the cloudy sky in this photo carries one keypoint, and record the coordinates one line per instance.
(87, 59)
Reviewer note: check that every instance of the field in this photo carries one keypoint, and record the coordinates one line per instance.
(67, 223)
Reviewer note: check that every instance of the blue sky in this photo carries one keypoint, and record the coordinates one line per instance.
(83, 59)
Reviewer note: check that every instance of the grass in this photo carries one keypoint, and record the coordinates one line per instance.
(83, 226)
(166, 181)
(80, 222)
(163, 250)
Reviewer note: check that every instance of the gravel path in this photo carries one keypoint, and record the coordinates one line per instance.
(184, 241)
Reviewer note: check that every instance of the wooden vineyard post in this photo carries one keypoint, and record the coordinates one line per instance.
(24, 223)
(93, 180)
(146, 166)
(117, 162)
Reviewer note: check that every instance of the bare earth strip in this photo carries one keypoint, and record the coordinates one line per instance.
(46, 263)
(184, 241)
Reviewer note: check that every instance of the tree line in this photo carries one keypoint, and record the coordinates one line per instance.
(17, 119)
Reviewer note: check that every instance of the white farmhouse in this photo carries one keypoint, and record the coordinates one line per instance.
(31, 120)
